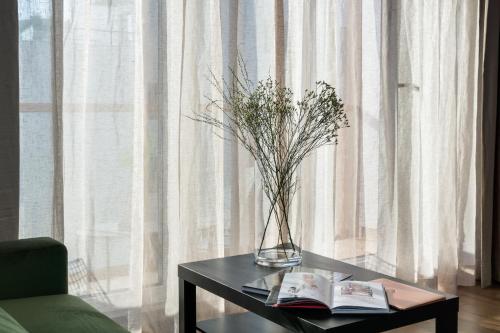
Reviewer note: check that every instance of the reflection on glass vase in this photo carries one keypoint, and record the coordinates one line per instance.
(278, 241)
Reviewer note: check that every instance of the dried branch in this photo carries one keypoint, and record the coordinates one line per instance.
(278, 132)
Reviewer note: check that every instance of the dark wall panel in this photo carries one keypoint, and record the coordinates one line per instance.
(9, 121)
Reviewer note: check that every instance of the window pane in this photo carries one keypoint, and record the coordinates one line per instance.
(35, 67)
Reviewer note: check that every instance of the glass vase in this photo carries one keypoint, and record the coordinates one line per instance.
(278, 237)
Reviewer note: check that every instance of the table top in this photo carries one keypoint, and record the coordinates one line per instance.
(225, 277)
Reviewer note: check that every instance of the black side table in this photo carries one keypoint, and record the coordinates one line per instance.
(225, 276)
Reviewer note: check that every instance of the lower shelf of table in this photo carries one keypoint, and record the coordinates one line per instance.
(247, 322)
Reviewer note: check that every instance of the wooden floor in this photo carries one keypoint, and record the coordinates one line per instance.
(479, 312)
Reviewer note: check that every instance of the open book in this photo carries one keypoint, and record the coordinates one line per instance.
(309, 291)
(264, 285)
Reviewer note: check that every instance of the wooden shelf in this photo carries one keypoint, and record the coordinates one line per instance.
(242, 323)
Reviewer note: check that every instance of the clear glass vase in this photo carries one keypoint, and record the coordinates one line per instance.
(278, 238)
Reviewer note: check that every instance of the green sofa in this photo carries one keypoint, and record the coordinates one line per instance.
(34, 292)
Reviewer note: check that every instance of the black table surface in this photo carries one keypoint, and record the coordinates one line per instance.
(225, 277)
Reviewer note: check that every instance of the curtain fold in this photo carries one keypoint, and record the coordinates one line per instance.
(57, 84)
(145, 188)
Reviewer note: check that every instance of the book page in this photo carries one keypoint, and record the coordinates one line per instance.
(266, 283)
(359, 294)
(300, 286)
(403, 296)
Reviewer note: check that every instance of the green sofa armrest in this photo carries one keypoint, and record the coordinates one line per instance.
(33, 267)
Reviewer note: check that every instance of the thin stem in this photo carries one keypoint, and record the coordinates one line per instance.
(265, 228)
(280, 235)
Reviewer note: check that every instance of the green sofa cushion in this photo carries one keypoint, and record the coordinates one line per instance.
(58, 313)
(9, 324)
(36, 267)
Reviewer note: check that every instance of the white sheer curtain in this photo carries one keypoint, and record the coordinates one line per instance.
(111, 165)
(400, 190)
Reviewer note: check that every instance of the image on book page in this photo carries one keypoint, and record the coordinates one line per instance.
(359, 294)
(299, 287)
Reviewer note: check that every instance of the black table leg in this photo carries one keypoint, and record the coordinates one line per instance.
(187, 307)
(447, 322)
